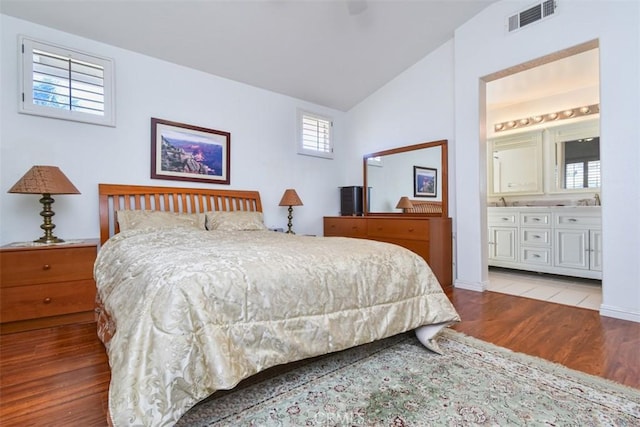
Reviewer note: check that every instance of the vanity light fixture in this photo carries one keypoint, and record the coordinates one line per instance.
(547, 117)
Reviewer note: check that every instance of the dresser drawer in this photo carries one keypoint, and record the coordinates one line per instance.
(37, 301)
(345, 226)
(27, 267)
(399, 229)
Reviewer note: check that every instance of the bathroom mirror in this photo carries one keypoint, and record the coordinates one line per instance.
(576, 163)
(515, 164)
(402, 172)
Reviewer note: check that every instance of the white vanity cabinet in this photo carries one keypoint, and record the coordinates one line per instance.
(503, 236)
(558, 240)
(578, 242)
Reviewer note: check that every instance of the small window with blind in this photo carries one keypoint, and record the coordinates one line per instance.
(66, 84)
(315, 135)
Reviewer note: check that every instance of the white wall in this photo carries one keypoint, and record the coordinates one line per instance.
(482, 48)
(262, 126)
(415, 107)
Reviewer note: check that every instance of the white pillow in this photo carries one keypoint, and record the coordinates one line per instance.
(138, 219)
(235, 221)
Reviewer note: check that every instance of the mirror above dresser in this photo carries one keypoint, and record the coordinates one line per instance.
(417, 172)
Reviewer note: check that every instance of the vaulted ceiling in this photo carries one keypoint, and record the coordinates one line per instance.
(330, 52)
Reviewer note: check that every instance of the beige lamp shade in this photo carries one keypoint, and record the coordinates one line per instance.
(404, 203)
(44, 180)
(290, 198)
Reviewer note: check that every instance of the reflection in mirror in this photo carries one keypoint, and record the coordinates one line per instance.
(390, 175)
(577, 159)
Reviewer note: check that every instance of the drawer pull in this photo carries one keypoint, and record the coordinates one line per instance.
(410, 230)
(535, 236)
(573, 220)
(505, 219)
(536, 219)
(536, 256)
(46, 267)
(47, 300)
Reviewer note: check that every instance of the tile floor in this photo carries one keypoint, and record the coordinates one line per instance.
(574, 291)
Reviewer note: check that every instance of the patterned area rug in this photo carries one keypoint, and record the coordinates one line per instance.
(397, 382)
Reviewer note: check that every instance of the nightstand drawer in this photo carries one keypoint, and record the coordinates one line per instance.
(398, 229)
(36, 301)
(27, 267)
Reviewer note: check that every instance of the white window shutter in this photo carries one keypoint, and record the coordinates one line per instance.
(66, 84)
(315, 135)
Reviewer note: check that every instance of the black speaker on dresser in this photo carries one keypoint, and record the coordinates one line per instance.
(351, 201)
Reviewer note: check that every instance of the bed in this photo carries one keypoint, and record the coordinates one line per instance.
(184, 311)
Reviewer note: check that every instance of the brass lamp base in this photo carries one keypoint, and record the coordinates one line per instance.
(290, 217)
(47, 224)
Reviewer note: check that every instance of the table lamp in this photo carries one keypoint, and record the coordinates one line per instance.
(45, 180)
(404, 203)
(290, 198)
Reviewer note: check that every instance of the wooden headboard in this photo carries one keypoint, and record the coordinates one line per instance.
(425, 206)
(115, 197)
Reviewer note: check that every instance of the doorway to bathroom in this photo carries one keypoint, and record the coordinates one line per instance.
(541, 120)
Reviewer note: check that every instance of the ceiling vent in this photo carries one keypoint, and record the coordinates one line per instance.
(532, 14)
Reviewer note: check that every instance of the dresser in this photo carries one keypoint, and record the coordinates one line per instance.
(429, 237)
(44, 286)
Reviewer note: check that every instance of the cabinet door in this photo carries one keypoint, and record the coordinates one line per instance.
(571, 248)
(503, 244)
(595, 249)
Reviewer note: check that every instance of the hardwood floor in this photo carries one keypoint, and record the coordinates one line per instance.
(60, 376)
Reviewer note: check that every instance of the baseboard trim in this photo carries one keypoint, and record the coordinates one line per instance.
(471, 286)
(619, 313)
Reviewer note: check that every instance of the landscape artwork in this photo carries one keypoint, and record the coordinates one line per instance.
(424, 182)
(189, 153)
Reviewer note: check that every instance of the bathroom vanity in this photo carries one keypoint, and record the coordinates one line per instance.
(563, 240)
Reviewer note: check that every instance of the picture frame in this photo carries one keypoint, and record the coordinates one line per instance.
(425, 182)
(184, 152)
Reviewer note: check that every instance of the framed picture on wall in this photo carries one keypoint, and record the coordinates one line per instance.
(425, 182)
(189, 153)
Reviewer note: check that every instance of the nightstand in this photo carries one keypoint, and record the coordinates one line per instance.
(46, 285)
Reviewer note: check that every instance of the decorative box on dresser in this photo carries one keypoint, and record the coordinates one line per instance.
(429, 237)
(46, 285)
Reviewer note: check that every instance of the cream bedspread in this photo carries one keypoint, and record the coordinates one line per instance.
(198, 311)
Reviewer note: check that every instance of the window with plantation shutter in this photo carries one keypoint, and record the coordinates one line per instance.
(66, 84)
(315, 135)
